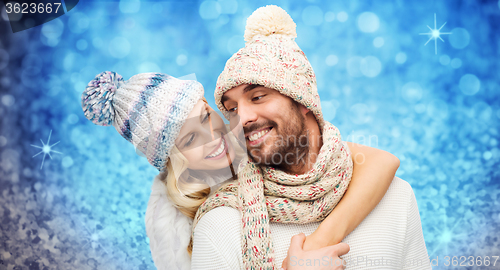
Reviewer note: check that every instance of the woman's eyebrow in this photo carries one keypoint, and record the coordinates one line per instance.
(201, 113)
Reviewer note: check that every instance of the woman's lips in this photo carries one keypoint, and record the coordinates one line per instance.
(222, 154)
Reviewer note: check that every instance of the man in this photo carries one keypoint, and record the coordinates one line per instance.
(270, 88)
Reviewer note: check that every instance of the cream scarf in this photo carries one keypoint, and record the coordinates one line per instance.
(263, 194)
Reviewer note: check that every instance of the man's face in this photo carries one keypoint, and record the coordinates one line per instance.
(273, 124)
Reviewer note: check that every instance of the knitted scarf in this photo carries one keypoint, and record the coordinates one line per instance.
(263, 194)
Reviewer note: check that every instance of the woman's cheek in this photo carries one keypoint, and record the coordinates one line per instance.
(193, 155)
(237, 130)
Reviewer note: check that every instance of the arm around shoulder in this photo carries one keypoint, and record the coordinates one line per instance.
(373, 172)
(362, 153)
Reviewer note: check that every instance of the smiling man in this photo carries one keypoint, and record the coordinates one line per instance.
(285, 136)
(298, 171)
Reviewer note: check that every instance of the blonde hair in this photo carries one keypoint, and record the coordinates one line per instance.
(187, 196)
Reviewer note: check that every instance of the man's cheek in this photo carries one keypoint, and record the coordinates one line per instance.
(276, 140)
(237, 130)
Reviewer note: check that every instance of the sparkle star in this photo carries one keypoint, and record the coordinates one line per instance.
(46, 149)
(93, 239)
(447, 235)
(435, 34)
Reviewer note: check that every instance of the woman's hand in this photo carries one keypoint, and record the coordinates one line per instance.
(315, 241)
(298, 258)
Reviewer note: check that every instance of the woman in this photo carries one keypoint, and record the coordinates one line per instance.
(168, 121)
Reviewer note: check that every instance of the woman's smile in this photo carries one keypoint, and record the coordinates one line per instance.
(219, 151)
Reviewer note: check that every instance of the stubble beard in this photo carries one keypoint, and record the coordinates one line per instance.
(288, 150)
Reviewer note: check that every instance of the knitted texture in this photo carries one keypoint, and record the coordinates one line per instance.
(271, 58)
(148, 110)
(389, 238)
(263, 194)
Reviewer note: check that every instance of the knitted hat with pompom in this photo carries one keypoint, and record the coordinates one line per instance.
(148, 110)
(271, 58)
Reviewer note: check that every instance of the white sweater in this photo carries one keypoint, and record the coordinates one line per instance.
(390, 237)
(168, 230)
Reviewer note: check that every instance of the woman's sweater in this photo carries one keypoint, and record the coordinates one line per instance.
(390, 237)
(168, 230)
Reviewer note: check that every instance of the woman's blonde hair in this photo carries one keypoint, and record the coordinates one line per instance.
(187, 196)
(185, 191)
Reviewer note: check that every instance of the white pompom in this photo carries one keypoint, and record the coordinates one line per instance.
(269, 20)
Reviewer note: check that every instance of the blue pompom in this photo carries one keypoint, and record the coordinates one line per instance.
(97, 99)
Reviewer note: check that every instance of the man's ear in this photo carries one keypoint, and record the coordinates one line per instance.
(303, 110)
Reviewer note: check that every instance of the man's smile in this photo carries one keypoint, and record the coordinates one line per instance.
(258, 136)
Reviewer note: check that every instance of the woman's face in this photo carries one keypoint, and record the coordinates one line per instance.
(203, 140)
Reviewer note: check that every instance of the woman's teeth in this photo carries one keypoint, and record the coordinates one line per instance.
(258, 135)
(219, 151)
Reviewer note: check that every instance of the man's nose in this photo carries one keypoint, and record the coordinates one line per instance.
(247, 115)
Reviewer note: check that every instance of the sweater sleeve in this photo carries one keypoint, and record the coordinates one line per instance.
(217, 241)
(415, 255)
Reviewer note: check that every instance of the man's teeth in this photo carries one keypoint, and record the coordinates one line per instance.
(219, 151)
(258, 135)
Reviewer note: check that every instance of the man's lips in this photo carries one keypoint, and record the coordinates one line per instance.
(248, 135)
(258, 141)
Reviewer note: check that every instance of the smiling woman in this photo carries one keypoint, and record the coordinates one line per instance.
(201, 159)
(170, 122)
(202, 139)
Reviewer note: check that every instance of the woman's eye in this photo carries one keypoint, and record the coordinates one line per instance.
(206, 117)
(232, 109)
(188, 143)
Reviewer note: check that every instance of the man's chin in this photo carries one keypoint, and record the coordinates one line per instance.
(260, 157)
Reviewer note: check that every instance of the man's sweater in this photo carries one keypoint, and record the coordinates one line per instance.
(390, 237)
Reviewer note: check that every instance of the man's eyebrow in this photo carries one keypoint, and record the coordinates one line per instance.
(248, 88)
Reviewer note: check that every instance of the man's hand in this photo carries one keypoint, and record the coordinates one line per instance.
(323, 258)
(313, 241)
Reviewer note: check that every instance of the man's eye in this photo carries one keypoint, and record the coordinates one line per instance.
(257, 98)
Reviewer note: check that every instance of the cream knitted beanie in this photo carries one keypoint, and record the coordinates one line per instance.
(271, 58)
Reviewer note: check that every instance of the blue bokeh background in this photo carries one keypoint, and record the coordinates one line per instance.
(439, 112)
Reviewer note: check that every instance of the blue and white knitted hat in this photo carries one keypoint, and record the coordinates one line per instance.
(148, 110)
